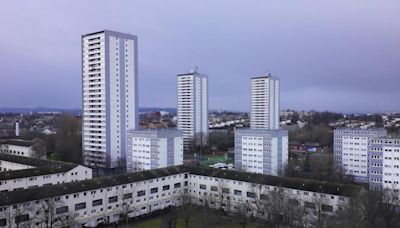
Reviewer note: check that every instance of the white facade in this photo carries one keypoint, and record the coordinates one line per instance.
(384, 163)
(21, 150)
(92, 202)
(17, 172)
(17, 180)
(193, 107)
(265, 102)
(110, 96)
(152, 149)
(261, 151)
(351, 151)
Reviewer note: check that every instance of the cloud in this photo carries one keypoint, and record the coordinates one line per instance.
(324, 52)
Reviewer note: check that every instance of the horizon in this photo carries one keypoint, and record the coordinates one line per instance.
(329, 56)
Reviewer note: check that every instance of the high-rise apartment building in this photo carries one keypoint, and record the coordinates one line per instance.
(384, 163)
(264, 102)
(350, 151)
(264, 147)
(152, 149)
(193, 108)
(109, 96)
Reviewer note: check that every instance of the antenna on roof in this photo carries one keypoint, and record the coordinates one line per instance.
(195, 70)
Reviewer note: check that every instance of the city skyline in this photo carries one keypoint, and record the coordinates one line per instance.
(321, 56)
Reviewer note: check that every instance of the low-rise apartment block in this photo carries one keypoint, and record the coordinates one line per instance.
(17, 147)
(109, 199)
(17, 172)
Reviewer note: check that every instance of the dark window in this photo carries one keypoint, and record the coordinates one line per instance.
(165, 187)
(3, 222)
(203, 186)
(177, 185)
(327, 208)
(214, 188)
(251, 195)
(113, 199)
(263, 197)
(153, 190)
(21, 218)
(127, 196)
(225, 190)
(97, 202)
(80, 206)
(61, 210)
(237, 192)
(309, 205)
(141, 193)
(294, 202)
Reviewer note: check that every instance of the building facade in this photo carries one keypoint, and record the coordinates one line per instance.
(350, 150)
(261, 151)
(18, 172)
(384, 163)
(109, 95)
(152, 149)
(104, 200)
(265, 102)
(193, 108)
(17, 147)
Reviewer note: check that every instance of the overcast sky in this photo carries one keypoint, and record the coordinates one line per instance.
(330, 55)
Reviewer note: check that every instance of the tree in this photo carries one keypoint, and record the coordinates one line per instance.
(16, 215)
(127, 206)
(39, 149)
(68, 139)
(372, 208)
(46, 213)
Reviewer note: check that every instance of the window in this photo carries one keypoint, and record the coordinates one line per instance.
(251, 195)
(127, 196)
(113, 199)
(80, 206)
(177, 185)
(263, 197)
(309, 205)
(203, 186)
(97, 202)
(294, 202)
(153, 190)
(141, 193)
(327, 208)
(61, 210)
(3, 222)
(165, 187)
(21, 218)
(237, 192)
(214, 188)
(225, 190)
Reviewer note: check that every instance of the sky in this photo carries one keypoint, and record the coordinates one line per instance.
(341, 55)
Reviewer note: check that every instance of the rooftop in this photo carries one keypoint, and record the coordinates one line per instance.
(43, 167)
(17, 142)
(19, 196)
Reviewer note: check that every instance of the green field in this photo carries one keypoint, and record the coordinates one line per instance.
(210, 160)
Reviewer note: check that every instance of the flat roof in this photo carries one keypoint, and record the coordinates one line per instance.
(45, 192)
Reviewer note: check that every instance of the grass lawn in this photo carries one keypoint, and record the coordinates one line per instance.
(154, 223)
(210, 160)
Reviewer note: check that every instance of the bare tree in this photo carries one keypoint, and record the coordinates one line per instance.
(46, 213)
(16, 215)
